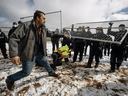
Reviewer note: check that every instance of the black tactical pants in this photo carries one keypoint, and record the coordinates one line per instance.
(106, 48)
(79, 48)
(94, 51)
(55, 43)
(116, 57)
(3, 49)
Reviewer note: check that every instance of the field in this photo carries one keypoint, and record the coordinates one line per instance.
(73, 80)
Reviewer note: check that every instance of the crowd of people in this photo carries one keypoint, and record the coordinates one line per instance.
(98, 49)
(27, 45)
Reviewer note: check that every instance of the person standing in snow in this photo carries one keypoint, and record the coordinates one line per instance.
(27, 44)
(55, 40)
(95, 49)
(79, 47)
(3, 40)
(117, 51)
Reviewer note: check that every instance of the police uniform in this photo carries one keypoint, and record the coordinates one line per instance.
(95, 50)
(117, 50)
(55, 41)
(79, 47)
(11, 31)
(3, 40)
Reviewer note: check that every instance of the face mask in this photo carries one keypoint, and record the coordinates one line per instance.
(14, 25)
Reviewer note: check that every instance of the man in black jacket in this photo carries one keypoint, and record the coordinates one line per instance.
(3, 40)
(55, 40)
(79, 47)
(28, 43)
(95, 49)
(117, 50)
(12, 29)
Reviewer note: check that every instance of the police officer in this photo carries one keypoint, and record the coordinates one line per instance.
(12, 29)
(95, 50)
(3, 40)
(117, 50)
(87, 42)
(55, 40)
(79, 47)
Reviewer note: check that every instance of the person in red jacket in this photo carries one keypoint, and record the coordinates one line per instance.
(59, 54)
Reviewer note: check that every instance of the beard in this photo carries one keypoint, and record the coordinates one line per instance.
(41, 23)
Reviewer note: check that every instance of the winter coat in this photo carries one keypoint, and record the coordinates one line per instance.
(55, 39)
(3, 38)
(11, 31)
(24, 40)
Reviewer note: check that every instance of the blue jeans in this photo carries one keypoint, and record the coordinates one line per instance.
(28, 65)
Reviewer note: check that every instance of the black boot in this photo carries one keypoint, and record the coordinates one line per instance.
(5, 57)
(118, 65)
(88, 66)
(54, 75)
(111, 71)
(96, 65)
(10, 85)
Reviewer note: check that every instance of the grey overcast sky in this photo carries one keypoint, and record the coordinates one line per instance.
(73, 11)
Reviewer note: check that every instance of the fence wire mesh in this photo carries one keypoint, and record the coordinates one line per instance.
(98, 31)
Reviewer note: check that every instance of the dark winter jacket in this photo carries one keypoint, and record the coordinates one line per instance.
(55, 39)
(118, 36)
(24, 40)
(79, 41)
(3, 38)
(11, 31)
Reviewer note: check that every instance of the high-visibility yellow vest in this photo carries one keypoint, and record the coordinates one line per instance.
(63, 51)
